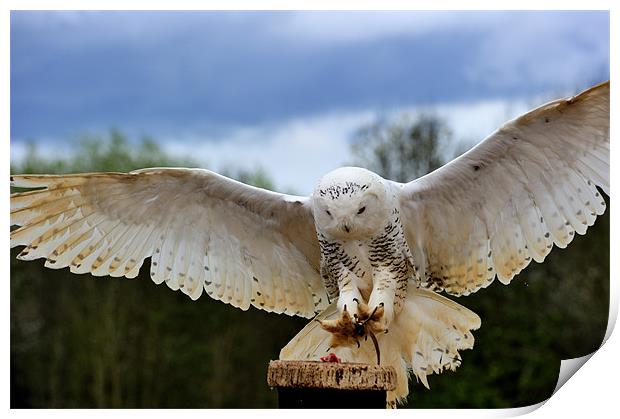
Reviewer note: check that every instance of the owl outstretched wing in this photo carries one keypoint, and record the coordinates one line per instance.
(242, 245)
(530, 185)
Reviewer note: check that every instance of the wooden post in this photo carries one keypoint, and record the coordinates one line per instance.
(319, 385)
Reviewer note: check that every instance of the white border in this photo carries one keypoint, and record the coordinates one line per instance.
(592, 392)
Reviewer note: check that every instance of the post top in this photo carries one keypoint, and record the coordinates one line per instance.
(342, 376)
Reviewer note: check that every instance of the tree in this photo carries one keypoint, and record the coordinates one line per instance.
(404, 149)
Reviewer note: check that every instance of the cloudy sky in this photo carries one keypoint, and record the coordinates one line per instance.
(286, 90)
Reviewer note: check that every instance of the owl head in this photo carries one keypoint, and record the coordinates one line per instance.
(351, 203)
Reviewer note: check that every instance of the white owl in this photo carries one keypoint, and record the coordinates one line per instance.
(366, 255)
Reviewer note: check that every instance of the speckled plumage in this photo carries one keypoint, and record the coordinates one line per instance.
(379, 250)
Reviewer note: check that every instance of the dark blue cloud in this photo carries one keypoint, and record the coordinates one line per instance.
(167, 72)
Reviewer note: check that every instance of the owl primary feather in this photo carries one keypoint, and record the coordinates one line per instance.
(363, 255)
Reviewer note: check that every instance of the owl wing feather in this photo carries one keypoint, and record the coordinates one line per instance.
(242, 245)
(526, 187)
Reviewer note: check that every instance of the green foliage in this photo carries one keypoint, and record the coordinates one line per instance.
(550, 311)
(114, 153)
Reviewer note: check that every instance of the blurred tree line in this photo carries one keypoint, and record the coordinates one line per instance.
(84, 341)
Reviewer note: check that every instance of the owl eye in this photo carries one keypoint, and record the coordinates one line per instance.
(328, 213)
(361, 210)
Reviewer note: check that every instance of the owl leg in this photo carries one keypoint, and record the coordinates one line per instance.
(345, 330)
(383, 300)
(349, 294)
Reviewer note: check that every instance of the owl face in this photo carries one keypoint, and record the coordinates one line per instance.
(350, 203)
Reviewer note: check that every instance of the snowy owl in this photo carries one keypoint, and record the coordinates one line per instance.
(364, 255)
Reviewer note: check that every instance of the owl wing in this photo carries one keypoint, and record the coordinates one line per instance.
(242, 245)
(529, 185)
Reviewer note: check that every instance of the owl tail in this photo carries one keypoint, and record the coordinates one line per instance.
(424, 338)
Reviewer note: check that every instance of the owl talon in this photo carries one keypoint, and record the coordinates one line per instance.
(348, 329)
(373, 320)
(343, 330)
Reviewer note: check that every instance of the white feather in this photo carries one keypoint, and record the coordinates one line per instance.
(547, 162)
(184, 219)
(428, 322)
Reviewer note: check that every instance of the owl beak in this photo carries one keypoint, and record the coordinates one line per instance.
(346, 227)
